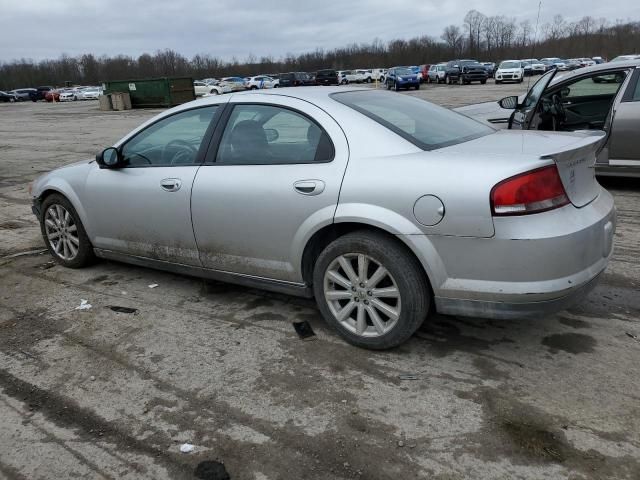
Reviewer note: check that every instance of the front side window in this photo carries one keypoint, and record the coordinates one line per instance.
(174, 140)
(265, 134)
(424, 124)
(596, 86)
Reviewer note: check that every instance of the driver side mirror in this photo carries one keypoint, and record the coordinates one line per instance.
(509, 103)
(271, 134)
(109, 158)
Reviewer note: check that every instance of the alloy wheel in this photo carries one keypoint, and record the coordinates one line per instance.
(362, 295)
(62, 232)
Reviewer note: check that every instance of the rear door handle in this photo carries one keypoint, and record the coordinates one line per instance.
(309, 187)
(171, 184)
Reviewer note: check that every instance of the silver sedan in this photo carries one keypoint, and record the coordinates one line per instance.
(382, 206)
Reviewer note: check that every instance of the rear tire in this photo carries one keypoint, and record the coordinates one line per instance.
(60, 224)
(418, 87)
(379, 320)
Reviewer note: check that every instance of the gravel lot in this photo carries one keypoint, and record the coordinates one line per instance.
(103, 394)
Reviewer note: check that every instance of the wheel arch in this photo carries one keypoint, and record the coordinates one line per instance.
(70, 195)
(327, 234)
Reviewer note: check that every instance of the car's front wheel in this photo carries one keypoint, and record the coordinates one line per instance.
(371, 290)
(63, 233)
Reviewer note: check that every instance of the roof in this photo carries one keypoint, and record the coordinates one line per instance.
(602, 67)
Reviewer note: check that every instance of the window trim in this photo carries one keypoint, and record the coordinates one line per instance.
(204, 146)
(631, 88)
(216, 140)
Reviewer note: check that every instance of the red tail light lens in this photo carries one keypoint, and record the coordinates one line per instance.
(531, 192)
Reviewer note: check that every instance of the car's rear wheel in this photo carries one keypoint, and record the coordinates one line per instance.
(371, 290)
(63, 233)
(418, 87)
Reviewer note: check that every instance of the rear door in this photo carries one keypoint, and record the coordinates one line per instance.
(273, 179)
(624, 146)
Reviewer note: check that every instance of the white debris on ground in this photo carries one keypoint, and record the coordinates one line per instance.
(153, 285)
(84, 305)
(186, 448)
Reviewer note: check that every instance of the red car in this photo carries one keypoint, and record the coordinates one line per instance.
(424, 70)
(52, 96)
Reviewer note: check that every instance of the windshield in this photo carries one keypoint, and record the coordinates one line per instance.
(403, 71)
(510, 65)
(424, 124)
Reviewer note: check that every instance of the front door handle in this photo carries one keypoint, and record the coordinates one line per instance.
(171, 184)
(309, 187)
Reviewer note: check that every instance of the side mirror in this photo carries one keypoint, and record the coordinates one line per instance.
(509, 103)
(109, 158)
(565, 92)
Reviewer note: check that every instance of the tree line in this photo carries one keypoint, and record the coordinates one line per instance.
(486, 38)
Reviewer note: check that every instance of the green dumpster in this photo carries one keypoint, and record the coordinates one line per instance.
(154, 92)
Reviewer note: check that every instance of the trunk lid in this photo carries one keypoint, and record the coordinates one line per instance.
(574, 154)
(576, 166)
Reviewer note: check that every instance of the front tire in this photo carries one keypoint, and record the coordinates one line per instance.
(64, 234)
(396, 87)
(371, 290)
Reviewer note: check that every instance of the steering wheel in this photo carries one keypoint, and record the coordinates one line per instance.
(172, 155)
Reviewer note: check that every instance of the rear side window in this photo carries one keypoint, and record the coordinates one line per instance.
(424, 124)
(271, 135)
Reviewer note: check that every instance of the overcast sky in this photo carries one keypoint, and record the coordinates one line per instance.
(39, 29)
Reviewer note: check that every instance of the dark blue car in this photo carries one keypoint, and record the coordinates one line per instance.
(402, 77)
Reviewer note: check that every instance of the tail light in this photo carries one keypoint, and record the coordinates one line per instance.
(530, 192)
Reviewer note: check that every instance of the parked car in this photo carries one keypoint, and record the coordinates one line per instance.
(465, 72)
(555, 62)
(417, 71)
(296, 79)
(573, 63)
(510, 71)
(533, 66)
(578, 101)
(259, 82)
(352, 196)
(379, 74)
(327, 77)
(624, 58)
(219, 88)
(401, 77)
(41, 92)
(236, 84)
(200, 88)
(52, 96)
(490, 67)
(90, 93)
(24, 94)
(367, 75)
(68, 95)
(350, 76)
(7, 97)
(424, 72)
(599, 60)
(437, 73)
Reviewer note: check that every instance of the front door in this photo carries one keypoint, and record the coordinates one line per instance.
(522, 117)
(143, 209)
(624, 146)
(275, 176)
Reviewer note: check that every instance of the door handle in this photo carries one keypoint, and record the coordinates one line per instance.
(171, 184)
(309, 187)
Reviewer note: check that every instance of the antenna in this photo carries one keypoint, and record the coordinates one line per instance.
(533, 44)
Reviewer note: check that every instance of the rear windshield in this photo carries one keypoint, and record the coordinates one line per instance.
(424, 124)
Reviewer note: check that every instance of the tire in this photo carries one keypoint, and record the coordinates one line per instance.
(482, 82)
(396, 87)
(418, 87)
(403, 273)
(521, 80)
(84, 254)
(497, 82)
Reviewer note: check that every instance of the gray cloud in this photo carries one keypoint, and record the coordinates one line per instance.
(39, 29)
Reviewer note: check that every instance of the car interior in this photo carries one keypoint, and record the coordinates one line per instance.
(583, 104)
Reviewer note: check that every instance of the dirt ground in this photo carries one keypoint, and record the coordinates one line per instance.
(102, 393)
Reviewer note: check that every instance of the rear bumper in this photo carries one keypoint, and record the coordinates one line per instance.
(533, 265)
(514, 310)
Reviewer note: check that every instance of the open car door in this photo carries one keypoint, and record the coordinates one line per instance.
(525, 112)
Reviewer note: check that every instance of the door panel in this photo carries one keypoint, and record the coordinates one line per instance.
(143, 208)
(253, 218)
(132, 212)
(586, 112)
(624, 143)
